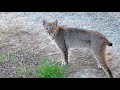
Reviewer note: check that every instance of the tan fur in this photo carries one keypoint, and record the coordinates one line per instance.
(66, 38)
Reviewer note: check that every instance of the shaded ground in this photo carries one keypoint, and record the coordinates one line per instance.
(22, 35)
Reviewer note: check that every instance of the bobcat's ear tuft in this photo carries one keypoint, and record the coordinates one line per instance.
(55, 22)
(44, 22)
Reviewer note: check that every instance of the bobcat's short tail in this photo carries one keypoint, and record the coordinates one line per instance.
(110, 44)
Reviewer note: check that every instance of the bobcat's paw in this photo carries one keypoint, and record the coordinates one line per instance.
(64, 63)
(99, 66)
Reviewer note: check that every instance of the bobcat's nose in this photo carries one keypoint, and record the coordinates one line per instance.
(49, 32)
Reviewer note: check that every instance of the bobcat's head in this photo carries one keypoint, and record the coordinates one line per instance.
(50, 26)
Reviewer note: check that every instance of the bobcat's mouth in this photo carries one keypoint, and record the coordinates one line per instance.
(50, 32)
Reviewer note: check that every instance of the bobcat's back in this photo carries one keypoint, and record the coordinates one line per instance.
(77, 38)
(74, 37)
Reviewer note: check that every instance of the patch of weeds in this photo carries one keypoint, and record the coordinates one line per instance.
(25, 72)
(2, 58)
(11, 57)
(8, 57)
(46, 69)
(19, 72)
(49, 69)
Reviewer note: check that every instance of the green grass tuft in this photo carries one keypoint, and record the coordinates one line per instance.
(51, 70)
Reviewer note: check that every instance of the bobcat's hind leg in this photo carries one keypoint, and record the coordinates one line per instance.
(65, 54)
(99, 53)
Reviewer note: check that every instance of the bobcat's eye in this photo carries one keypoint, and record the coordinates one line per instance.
(46, 28)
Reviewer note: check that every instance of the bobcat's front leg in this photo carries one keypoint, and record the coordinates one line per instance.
(65, 53)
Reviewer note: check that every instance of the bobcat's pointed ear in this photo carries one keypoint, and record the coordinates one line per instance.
(44, 22)
(55, 22)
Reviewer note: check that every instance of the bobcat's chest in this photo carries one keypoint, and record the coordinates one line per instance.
(53, 41)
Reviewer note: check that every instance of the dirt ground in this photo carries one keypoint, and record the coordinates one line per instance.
(22, 35)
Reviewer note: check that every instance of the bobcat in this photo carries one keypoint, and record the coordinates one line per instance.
(66, 38)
